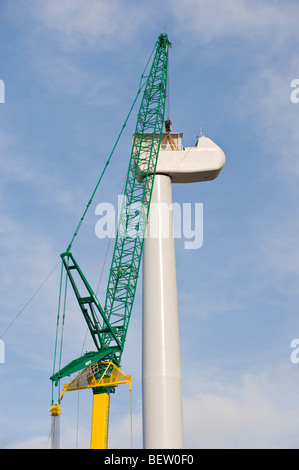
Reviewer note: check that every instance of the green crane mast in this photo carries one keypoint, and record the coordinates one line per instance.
(108, 325)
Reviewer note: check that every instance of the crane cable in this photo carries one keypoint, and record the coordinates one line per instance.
(142, 84)
(52, 427)
(131, 416)
(30, 299)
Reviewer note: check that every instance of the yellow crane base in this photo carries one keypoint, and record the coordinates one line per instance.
(111, 377)
(99, 422)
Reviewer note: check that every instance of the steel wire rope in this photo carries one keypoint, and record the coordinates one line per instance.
(63, 319)
(57, 325)
(26, 351)
(52, 427)
(168, 89)
(30, 299)
(141, 86)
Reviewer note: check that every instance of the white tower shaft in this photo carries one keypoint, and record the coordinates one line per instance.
(162, 381)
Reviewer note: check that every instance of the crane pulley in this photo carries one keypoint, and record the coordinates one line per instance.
(108, 324)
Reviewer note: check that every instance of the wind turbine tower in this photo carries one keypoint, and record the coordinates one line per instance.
(161, 363)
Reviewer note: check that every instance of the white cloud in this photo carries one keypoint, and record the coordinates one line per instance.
(257, 412)
(265, 33)
(19, 166)
(120, 432)
(210, 20)
(265, 101)
(59, 74)
(254, 411)
(277, 254)
(39, 442)
(79, 24)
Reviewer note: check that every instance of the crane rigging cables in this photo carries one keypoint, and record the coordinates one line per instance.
(141, 86)
(108, 325)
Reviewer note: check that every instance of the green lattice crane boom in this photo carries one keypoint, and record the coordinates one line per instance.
(108, 325)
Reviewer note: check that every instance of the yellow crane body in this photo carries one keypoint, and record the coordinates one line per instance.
(100, 421)
(111, 377)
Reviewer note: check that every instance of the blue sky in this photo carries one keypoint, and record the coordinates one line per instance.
(71, 70)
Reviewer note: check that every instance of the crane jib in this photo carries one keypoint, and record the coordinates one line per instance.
(108, 326)
(126, 259)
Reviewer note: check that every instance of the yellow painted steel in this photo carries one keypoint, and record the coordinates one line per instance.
(111, 377)
(55, 410)
(100, 419)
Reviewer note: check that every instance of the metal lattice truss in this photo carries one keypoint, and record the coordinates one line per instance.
(108, 326)
(128, 247)
(102, 374)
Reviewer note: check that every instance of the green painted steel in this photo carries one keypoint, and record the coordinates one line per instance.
(128, 247)
(109, 325)
(80, 363)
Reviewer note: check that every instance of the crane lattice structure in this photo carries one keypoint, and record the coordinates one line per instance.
(108, 324)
